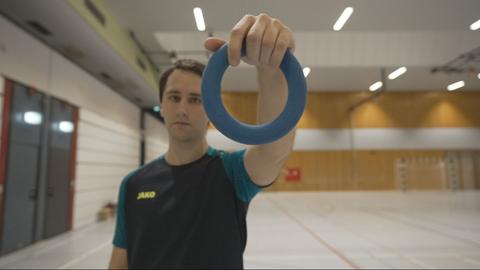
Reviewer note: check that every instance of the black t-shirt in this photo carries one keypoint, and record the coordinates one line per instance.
(187, 216)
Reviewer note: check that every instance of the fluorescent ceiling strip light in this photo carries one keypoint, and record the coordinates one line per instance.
(456, 85)
(376, 86)
(475, 26)
(197, 12)
(398, 72)
(343, 18)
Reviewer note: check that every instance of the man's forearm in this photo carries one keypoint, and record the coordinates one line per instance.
(273, 94)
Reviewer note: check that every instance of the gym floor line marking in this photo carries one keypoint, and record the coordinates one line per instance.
(411, 223)
(398, 254)
(68, 237)
(44, 246)
(85, 255)
(315, 235)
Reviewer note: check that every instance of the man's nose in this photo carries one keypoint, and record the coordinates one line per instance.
(182, 108)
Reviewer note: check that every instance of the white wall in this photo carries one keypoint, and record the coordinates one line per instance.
(108, 131)
(106, 152)
(156, 138)
(371, 138)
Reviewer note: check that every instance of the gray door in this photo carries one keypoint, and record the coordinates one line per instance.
(60, 133)
(26, 121)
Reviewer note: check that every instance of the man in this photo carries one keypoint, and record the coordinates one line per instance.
(187, 209)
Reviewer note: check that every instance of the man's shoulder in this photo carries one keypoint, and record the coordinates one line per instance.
(224, 153)
(145, 170)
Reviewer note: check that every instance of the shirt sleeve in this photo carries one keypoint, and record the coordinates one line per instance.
(234, 166)
(120, 237)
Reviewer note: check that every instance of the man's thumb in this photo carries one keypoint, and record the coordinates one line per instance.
(213, 44)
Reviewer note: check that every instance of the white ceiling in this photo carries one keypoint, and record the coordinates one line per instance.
(149, 16)
(76, 40)
(419, 34)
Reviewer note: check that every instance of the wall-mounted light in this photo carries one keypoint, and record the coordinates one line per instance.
(306, 71)
(66, 126)
(32, 118)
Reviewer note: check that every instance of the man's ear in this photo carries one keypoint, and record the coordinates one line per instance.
(161, 110)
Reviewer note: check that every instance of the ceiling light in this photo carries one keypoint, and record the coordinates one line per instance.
(456, 85)
(156, 109)
(397, 73)
(343, 18)
(478, 75)
(306, 71)
(197, 12)
(32, 118)
(474, 26)
(376, 86)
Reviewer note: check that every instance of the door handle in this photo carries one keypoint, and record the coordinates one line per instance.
(32, 194)
(50, 192)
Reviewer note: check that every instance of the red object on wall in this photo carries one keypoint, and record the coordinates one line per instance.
(293, 174)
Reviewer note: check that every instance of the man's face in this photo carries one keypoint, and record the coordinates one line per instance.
(182, 107)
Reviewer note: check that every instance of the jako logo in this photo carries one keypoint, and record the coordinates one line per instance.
(146, 195)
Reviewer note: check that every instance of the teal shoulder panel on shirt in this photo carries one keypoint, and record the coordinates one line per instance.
(237, 174)
(120, 237)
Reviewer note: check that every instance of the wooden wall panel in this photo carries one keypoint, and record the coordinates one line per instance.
(419, 109)
(362, 170)
(370, 170)
(242, 106)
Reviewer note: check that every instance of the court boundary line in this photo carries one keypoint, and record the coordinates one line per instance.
(335, 251)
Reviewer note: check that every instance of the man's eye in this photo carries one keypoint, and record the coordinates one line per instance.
(195, 100)
(174, 98)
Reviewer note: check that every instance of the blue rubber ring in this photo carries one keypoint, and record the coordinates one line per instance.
(245, 133)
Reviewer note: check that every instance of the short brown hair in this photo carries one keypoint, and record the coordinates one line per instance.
(190, 65)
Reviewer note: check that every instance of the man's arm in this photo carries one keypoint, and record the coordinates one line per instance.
(267, 40)
(264, 162)
(118, 259)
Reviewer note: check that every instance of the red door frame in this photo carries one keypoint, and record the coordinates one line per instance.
(73, 166)
(7, 103)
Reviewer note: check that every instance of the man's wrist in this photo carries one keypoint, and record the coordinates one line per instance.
(269, 74)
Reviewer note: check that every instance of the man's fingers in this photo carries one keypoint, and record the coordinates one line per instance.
(266, 40)
(237, 35)
(268, 44)
(255, 38)
(284, 42)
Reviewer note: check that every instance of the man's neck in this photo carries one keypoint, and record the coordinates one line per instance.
(183, 153)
